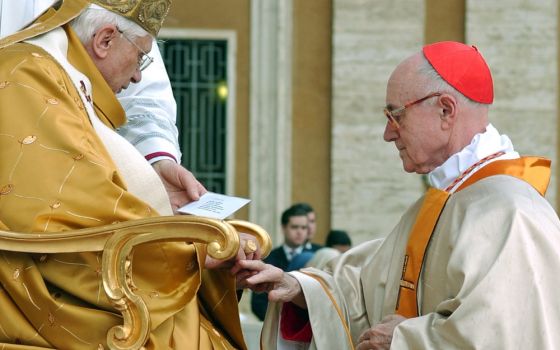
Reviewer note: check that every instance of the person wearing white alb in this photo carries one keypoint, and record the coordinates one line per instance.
(149, 105)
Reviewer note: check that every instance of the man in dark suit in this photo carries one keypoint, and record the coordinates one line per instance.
(295, 227)
(312, 217)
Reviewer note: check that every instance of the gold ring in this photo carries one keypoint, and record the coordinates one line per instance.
(250, 247)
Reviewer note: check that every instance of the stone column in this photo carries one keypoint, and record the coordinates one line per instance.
(270, 99)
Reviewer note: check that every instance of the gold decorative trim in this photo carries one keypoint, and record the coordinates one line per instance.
(66, 12)
(407, 284)
(149, 14)
(336, 307)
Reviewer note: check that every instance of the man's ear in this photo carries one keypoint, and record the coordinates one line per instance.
(448, 110)
(102, 40)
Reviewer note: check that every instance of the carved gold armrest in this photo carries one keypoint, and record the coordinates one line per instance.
(117, 242)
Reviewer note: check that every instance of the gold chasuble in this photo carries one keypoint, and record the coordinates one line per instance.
(533, 170)
(56, 175)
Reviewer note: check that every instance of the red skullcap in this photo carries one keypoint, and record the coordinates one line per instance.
(463, 67)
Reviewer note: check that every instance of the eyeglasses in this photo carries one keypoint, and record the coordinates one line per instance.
(393, 115)
(143, 61)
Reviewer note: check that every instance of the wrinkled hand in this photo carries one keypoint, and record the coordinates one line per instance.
(261, 277)
(379, 337)
(249, 249)
(250, 246)
(181, 185)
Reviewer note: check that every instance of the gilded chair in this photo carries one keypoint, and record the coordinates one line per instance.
(117, 242)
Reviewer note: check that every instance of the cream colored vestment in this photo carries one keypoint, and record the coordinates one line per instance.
(490, 278)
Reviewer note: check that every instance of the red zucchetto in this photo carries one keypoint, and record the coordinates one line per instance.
(463, 67)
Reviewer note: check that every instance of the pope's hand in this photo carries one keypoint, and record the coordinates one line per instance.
(261, 277)
(249, 249)
(379, 337)
(181, 185)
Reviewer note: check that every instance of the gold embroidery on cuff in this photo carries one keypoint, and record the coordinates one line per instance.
(406, 284)
(28, 140)
(6, 189)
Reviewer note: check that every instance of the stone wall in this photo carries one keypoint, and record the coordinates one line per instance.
(518, 38)
(369, 189)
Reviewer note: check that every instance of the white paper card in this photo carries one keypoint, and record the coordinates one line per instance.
(214, 205)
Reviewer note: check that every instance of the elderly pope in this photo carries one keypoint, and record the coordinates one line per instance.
(63, 167)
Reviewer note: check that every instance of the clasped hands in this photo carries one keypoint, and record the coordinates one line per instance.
(380, 336)
(282, 287)
(252, 273)
(261, 277)
(248, 250)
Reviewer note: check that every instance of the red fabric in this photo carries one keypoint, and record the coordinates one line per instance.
(463, 67)
(160, 154)
(294, 323)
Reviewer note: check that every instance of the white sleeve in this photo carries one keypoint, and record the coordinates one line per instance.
(151, 112)
(15, 15)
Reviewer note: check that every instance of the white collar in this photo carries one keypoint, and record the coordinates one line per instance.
(288, 250)
(482, 145)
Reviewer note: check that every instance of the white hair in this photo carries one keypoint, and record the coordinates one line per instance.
(437, 84)
(94, 17)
